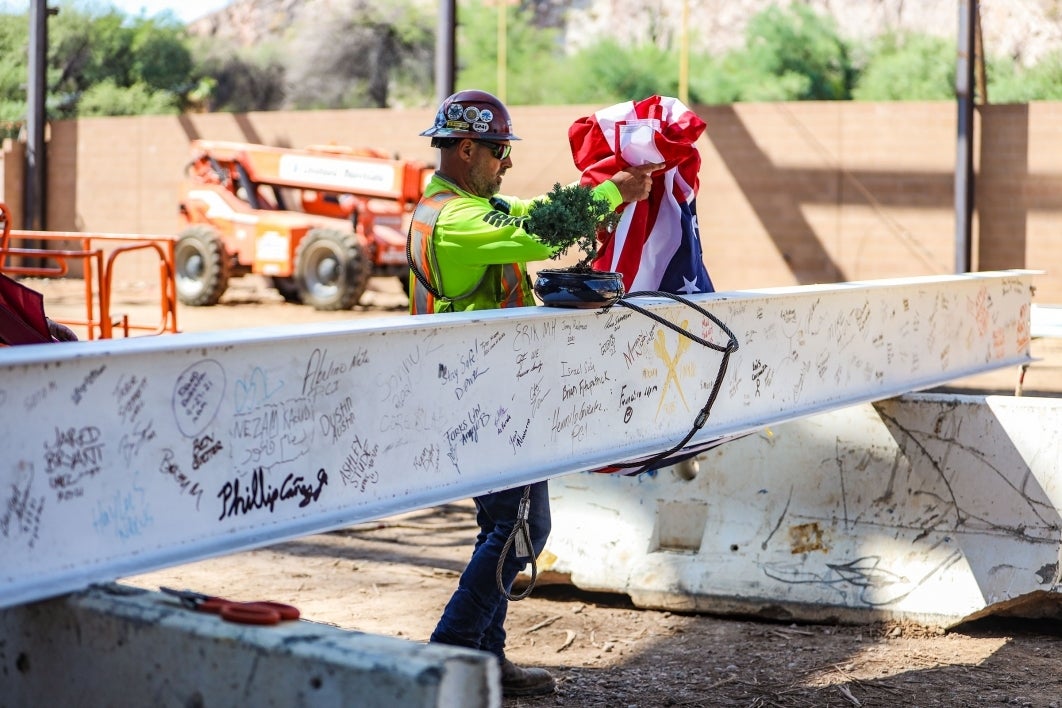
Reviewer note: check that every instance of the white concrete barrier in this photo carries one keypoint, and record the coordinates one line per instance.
(933, 508)
(119, 646)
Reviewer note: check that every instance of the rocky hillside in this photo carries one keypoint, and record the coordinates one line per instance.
(1023, 29)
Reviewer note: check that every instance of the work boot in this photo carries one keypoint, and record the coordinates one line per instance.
(518, 681)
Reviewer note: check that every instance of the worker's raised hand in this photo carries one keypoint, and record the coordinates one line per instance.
(60, 332)
(636, 181)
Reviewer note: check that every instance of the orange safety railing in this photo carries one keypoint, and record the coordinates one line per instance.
(98, 252)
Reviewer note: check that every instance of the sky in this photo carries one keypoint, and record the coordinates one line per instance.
(185, 10)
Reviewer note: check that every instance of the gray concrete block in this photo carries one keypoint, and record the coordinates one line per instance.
(113, 645)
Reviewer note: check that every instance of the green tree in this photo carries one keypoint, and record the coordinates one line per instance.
(532, 54)
(919, 67)
(908, 67)
(100, 54)
(237, 81)
(84, 50)
(104, 55)
(353, 54)
(1045, 78)
(108, 99)
(607, 72)
(792, 54)
(1009, 83)
(160, 57)
(797, 53)
(14, 45)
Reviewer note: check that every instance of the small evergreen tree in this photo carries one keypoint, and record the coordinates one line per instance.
(570, 216)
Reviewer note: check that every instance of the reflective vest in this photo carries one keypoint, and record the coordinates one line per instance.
(502, 285)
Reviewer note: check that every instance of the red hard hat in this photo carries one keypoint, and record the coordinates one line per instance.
(472, 114)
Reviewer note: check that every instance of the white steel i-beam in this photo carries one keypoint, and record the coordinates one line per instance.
(123, 456)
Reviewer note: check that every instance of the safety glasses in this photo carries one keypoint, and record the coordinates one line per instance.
(499, 151)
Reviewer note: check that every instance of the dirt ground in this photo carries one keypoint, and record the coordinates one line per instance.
(392, 577)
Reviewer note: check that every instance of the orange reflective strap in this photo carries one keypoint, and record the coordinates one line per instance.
(422, 252)
(512, 279)
(424, 298)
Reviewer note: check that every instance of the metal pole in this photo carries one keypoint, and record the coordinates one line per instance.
(33, 188)
(503, 49)
(964, 175)
(979, 58)
(445, 53)
(684, 56)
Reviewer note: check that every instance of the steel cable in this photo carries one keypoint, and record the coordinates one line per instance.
(520, 534)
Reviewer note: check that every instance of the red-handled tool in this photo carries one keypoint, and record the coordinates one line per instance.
(257, 612)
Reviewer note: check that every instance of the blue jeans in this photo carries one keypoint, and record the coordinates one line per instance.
(475, 615)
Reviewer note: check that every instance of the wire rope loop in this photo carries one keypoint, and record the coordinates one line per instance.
(520, 528)
(730, 348)
(732, 343)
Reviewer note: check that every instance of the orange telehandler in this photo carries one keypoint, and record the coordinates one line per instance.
(318, 222)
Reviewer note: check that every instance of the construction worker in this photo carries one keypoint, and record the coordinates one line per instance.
(468, 250)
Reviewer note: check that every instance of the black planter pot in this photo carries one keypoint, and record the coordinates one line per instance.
(564, 287)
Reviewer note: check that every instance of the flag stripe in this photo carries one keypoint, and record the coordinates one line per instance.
(657, 243)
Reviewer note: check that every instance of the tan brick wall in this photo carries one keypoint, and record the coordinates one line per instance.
(13, 155)
(790, 193)
(1020, 192)
(820, 192)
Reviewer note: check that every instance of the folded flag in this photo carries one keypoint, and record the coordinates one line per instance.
(657, 245)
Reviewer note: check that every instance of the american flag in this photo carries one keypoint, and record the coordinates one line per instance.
(657, 245)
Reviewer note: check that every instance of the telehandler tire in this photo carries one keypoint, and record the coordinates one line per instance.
(200, 264)
(332, 269)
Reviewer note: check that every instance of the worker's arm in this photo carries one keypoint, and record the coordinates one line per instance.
(474, 232)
